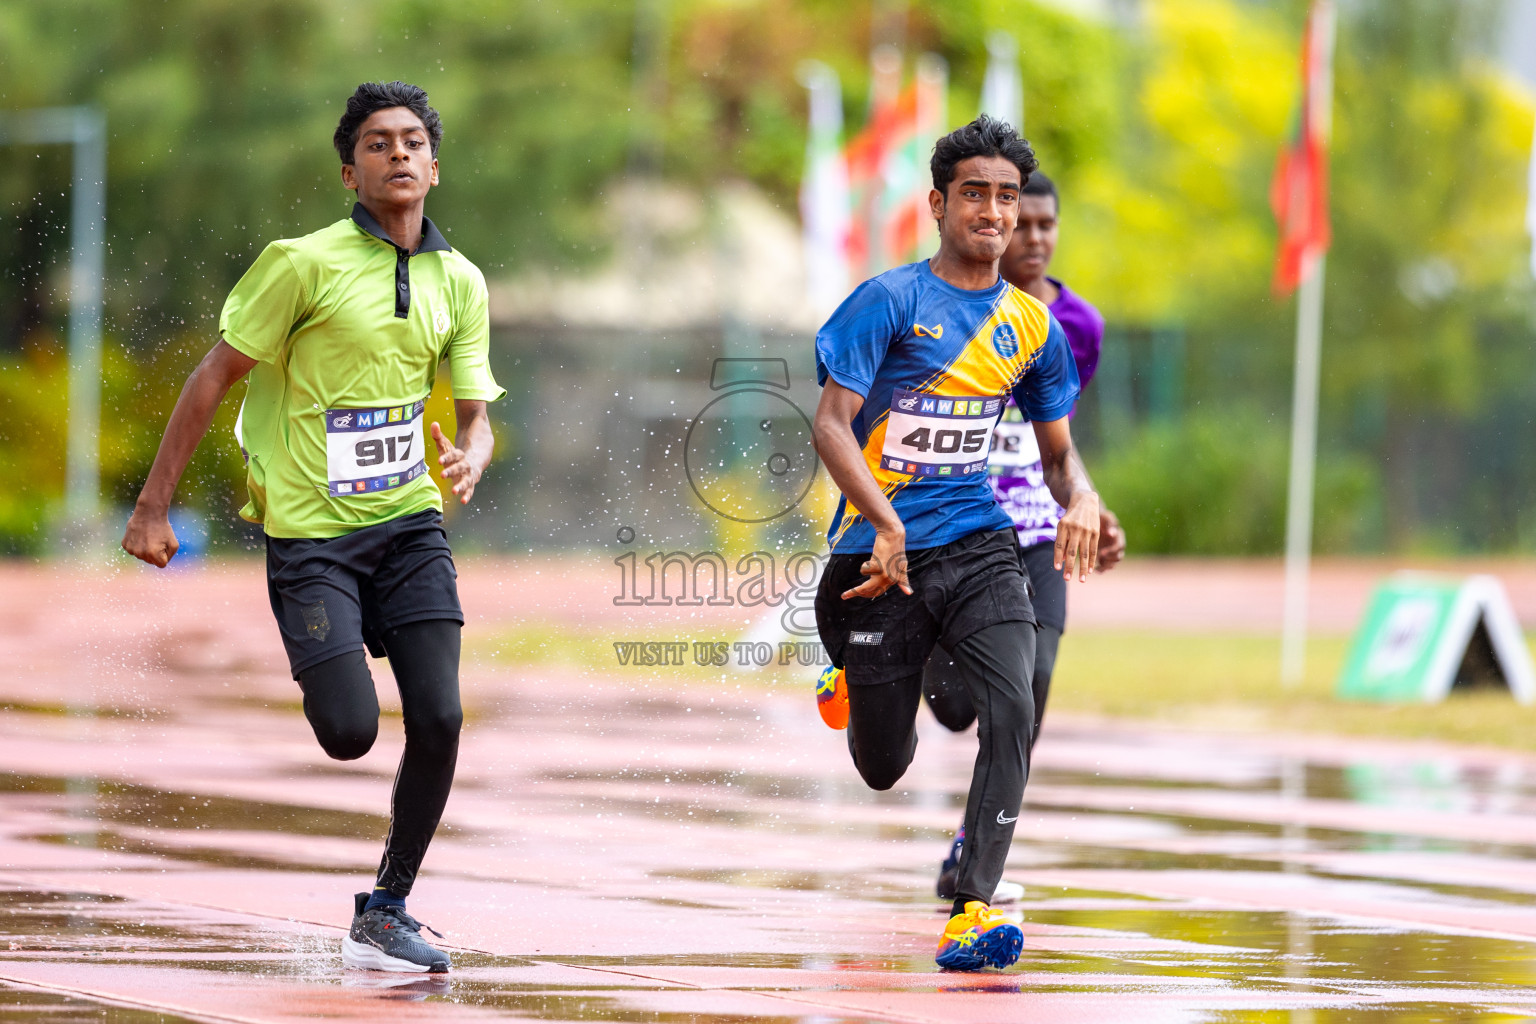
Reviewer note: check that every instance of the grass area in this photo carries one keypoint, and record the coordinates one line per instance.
(1232, 681)
(1213, 680)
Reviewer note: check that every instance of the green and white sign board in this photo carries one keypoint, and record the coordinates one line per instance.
(1422, 634)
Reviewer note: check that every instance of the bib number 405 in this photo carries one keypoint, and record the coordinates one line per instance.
(372, 452)
(945, 441)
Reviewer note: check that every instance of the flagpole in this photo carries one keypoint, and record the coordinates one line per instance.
(1298, 517)
(1316, 129)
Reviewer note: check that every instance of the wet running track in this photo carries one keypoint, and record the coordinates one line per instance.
(174, 846)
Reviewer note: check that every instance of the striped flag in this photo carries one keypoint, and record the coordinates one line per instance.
(888, 165)
(890, 118)
(824, 202)
(1299, 193)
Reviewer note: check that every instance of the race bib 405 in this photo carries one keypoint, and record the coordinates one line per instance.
(368, 450)
(938, 435)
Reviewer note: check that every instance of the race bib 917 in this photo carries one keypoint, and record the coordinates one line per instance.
(938, 435)
(369, 450)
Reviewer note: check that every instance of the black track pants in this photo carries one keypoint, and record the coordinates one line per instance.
(994, 665)
(343, 709)
(950, 700)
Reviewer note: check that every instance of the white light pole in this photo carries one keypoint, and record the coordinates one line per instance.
(1298, 515)
(85, 130)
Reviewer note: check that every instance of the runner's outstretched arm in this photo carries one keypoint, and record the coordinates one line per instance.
(839, 452)
(149, 536)
(1077, 537)
(465, 460)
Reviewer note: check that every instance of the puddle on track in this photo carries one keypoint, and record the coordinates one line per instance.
(1090, 947)
(37, 1006)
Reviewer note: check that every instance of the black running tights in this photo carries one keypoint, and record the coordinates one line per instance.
(950, 701)
(343, 709)
(994, 666)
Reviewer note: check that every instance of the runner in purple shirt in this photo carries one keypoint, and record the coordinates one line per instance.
(1018, 483)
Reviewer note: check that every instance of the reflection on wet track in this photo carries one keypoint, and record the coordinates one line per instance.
(639, 850)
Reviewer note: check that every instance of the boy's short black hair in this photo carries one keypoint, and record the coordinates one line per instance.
(370, 98)
(984, 136)
(1039, 185)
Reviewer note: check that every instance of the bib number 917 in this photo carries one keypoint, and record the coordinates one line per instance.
(376, 451)
(369, 450)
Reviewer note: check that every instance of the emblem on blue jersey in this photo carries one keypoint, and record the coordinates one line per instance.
(936, 331)
(1006, 340)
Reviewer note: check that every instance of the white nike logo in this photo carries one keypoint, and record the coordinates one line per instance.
(1006, 821)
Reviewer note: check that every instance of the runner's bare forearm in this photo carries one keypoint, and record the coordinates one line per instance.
(474, 437)
(840, 453)
(200, 397)
(1065, 474)
(1068, 477)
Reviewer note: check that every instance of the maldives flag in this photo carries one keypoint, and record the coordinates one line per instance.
(892, 119)
(1299, 193)
(887, 161)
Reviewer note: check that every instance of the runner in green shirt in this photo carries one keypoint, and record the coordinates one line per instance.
(342, 332)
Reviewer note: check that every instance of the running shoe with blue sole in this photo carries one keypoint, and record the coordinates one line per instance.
(389, 939)
(979, 938)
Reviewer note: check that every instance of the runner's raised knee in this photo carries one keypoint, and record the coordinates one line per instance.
(883, 773)
(341, 705)
(345, 738)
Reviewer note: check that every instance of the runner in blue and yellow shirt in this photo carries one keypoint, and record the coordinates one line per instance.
(1018, 483)
(915, 367)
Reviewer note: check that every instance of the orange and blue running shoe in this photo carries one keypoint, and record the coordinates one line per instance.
(832, 697)
(978, 938)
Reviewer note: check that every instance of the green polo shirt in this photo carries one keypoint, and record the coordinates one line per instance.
(348, 331)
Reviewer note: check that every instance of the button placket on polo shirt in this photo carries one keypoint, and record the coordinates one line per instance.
(431, 241)
(402, 284)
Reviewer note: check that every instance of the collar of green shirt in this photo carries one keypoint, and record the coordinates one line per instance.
(431, 241)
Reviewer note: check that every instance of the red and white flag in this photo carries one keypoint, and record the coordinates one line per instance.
(824, 202)
(887, 161)
(1299, 193)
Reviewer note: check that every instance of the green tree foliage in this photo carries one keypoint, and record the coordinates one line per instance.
(1429, 293)
(1163, 138)
(220, 114)
(1427, 320)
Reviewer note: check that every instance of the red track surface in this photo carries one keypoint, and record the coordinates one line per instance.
(631, 847)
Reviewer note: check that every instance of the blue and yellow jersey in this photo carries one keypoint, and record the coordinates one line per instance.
(935, 364)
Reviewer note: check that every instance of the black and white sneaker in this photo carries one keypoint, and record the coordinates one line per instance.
(389, 939)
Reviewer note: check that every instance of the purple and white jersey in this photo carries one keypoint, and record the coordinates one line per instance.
(1016, 475)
